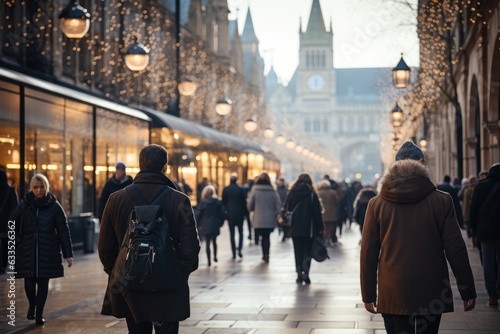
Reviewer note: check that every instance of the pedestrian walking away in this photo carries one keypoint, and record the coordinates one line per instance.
(235, 203)
(410, 233)
(265, 204)
(161, 309)
(210, 217)
(118, 181)
(42, 232)
(485, 224)
(8, 202)
(307, 223)
(330, 199)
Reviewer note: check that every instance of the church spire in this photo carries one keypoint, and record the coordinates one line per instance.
(248, 29)
(316, 24)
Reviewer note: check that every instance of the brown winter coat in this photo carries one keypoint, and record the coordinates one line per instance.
(330, 199)
(410, 231)
(167, 306)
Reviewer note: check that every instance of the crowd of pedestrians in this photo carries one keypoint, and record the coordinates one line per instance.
(407, 223)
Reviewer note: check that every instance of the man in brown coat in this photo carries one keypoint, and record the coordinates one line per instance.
(142, 310)
(410, 231)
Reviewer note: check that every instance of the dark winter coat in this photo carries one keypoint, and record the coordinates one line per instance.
(485, 217)
(410, 232)
(361, 203)
(112, 185)
(42, 232)
(307, 220)
(210, 216)
(235, 201)
(8, 202)
(448, 188)
(155, 306)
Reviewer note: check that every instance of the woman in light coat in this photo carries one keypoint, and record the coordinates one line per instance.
(265, 204)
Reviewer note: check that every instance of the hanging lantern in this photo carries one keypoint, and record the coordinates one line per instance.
(223, 106)
(74, 20)
(137, 57)
(401, 74)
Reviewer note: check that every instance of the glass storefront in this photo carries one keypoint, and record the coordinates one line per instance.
(59, 142)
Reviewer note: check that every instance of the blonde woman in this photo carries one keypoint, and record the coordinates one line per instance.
(41, 234)
(210, 218)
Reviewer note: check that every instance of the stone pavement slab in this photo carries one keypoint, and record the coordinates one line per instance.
(244, 296)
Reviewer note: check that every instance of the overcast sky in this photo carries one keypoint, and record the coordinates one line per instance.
(367, 33)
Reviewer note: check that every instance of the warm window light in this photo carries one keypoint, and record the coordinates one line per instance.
(137, 57)
(401, 74)
(74, 20)
(223, 106)
(187, 87)
(250, 125)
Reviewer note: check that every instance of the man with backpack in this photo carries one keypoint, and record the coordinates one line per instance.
(142, 303)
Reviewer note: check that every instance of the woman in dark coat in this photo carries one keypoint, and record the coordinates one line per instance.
(41, 233)
(210, 218)
(307, 223)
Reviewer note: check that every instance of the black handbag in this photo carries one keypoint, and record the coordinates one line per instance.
(319, 251)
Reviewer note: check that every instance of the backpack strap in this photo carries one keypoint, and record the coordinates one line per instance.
(133, 190)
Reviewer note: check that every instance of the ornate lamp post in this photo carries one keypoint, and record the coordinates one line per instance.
(401, 74)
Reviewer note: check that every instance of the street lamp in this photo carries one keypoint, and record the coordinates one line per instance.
(280, 139)
(401, 74)
(74, 20)
(223, 106)
(137, 56)
(187, 87)
(397, 115)
(268, 133)
(250, 125)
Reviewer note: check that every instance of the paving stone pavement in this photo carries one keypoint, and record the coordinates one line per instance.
(243, 296)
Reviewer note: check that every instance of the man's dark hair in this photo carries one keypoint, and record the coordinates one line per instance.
(447, 179)
(153, 157)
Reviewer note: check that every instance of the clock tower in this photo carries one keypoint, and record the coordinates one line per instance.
(316, 75)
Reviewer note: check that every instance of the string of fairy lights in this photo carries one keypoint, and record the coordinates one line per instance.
(97, 61)
(439, 26)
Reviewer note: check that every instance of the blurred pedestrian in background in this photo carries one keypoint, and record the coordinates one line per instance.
(235, 203)
(210, 217)
(306, 223)
(484, 218)
(282, 190)
(448, 188)
(361, 204)
(330, 199)
(42, 232)
(409, 235)
(8, 202)
(118, 181)
(265, 204)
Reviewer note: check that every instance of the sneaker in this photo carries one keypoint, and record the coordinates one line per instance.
(492, 302)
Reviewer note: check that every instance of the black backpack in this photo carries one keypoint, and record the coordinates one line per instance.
(148, 260)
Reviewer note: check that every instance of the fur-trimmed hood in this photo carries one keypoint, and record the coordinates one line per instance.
(406, 181)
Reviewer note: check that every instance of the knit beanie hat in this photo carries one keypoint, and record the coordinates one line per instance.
(409, 151)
